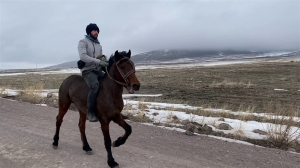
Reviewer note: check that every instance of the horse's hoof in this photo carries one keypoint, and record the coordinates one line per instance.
(89, 152)
(113, 164)
(54, 147)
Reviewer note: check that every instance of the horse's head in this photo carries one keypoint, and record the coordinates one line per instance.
(125, 70)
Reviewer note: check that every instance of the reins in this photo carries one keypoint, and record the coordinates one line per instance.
(124, 76)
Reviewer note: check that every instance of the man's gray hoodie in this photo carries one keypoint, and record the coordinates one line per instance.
(89, 50)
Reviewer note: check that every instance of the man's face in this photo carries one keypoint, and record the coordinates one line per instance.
(94, 34)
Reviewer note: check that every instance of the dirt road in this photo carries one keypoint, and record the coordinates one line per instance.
(26, 133)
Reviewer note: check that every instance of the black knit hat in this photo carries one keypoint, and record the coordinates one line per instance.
(91, 27)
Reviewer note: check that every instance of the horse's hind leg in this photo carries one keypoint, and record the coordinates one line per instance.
(63, 108)
(85, 145)
(121, 140)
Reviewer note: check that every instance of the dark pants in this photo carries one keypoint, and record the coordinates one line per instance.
(91, 78)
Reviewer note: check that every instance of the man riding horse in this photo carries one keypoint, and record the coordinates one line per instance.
(89, 49)
(83, 92)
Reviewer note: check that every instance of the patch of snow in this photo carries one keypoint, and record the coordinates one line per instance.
(12, 74)
(63, 71)
(140, 95)
(232, 140)
(45, 105)
(181, 60)
(274, 54)
(9, 92)
(41, 93)
(172, 128)
(183, 65)
(280, 90)
(162, 105)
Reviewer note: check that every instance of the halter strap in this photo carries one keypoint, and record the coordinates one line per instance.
(124, 76)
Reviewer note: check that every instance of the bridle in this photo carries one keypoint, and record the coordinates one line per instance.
(124, 76)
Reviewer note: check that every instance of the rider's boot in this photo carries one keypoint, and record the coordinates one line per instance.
(91, 106)
(91, 115)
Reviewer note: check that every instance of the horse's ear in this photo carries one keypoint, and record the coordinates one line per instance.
(116, 53)
(128, 54)
(118, 56)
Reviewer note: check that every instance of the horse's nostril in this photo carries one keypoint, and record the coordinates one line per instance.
(136, 87)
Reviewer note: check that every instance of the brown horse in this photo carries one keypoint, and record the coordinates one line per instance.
(109, 104)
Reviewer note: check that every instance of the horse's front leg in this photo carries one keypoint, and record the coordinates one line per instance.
(107, 142)
(121, 122)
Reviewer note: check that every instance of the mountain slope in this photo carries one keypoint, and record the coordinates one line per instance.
(192, 56)
(70, 64)
(181, 56)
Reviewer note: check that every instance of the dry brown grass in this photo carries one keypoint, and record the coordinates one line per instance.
(281, 133)
(142, 106)
(139, 118)
(239, 131)
(137, 115)
(3, 92)
(32, 93)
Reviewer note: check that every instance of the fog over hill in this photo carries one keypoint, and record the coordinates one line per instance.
(191, 56)
(184, 56)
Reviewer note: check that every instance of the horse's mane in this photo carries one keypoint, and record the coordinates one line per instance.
(111, 61)
(112, 58)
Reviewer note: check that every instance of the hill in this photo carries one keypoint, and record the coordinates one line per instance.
(192, 56)
(70, 64)
(168, 56)
(183, 56)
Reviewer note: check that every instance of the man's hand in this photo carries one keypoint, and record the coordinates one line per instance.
(102, 57)
(103, 63)
(103, 60)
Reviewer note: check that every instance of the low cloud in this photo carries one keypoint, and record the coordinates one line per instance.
(47, 32)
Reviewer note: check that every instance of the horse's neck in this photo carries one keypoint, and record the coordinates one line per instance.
(110, 85)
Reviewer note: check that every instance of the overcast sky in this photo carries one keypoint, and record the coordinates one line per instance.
(42, 33)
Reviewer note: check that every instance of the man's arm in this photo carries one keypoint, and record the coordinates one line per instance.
(82, 45)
